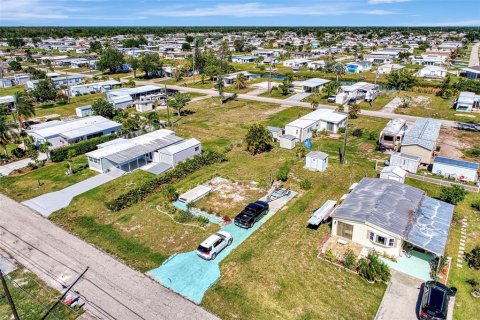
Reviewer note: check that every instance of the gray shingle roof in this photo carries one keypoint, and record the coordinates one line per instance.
(400, 209)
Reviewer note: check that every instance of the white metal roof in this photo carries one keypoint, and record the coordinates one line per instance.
(301, 123)
(76, 128)
(328, 115)
(137, 90)
(184, 145)
(7, 99)
(99, 84)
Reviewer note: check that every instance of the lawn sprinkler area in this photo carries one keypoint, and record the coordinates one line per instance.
(191, 276)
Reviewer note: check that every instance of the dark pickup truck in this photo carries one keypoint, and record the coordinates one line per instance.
(251, 214)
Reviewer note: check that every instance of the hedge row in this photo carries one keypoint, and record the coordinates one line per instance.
(182, 170)
(61, 154)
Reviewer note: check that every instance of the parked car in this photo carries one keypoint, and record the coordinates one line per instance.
(434, 304)
(251, 214)
(211, 247)
(332, 99)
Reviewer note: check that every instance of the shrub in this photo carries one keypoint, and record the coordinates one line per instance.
(282, 174)
(18, 153)
(202, 221)
(64, 153)
(341, 130)
(258, 139)
(329, 255)
(373, 269)
(182, 170)
(349, 259)
(473, 258)
(372, 136)
(183, 216)
(453, 194)
(357, 132)
(170, 193)
(474, 152)
(305, 184)
(476, 205)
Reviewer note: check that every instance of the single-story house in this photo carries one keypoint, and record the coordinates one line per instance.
(70, 80)
(388, 68)
(467, 101)
(316, 65)
(319, 120)
(421, 139)
(358, 91)
(378, 58)
(296, 63)
(405, 161)
(310, 85)
(230, 78)
(384, 214)
(287, 141)
(268, 53)
(360, 66)
(9, 81)
(62, 133)
(455, 169)
(432, 72)
(126, 97)
(392, 135)
(8, 101)
(316, 161)
(244, 59)
(95, 87)
(160, 149)
(393, 173)
(472, 73)
(84, 111)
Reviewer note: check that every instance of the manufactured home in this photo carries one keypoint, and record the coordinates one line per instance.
(455, 169)
(421, 139)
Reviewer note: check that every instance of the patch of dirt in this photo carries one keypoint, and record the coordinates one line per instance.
(421, 101)
(453, 142)
(228, 197)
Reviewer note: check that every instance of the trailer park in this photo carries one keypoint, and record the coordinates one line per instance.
(343, 188)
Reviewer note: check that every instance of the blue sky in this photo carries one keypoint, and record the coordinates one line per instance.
(240, 13)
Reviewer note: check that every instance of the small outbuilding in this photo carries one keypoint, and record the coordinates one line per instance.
(84, 111)
(393, 173)
(276, 132)
(455, 169)
(287, 141)
(405, 161)
(316, 161)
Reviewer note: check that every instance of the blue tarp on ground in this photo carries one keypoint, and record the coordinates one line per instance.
(190, 275)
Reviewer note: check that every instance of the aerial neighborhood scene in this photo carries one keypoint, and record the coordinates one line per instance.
(240, 160)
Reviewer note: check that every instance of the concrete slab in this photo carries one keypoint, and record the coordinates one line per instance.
(299, 96)
(48, 203)
(5, 170)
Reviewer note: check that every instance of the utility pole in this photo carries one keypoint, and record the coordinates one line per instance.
(344, 148)
(9, 297)
(168, 108)
(270, 79)
(63, 295)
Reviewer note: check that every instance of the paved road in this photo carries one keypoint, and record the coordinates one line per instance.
(474, 58)
(48, 203)
(112, 290)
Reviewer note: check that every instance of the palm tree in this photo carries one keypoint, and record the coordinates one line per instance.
(179, 101)
(44, 148)
(240, 81)
(219, 85)
(23, 109)
(6, 133)
(315, 102)
(339, 69)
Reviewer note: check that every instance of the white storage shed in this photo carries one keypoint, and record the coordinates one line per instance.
(393, 173)
(287, 141)
(405, 161)
(316, 161)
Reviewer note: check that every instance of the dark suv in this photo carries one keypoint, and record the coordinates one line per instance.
(434, 305)
(251, 214)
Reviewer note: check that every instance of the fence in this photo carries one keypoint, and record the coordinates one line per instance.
(443, 182)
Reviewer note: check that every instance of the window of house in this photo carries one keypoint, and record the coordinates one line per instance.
(196, 148)
(391, 242)
(380, 240)
(345, 230)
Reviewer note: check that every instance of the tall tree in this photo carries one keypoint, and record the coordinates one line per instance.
(150, 64)
(102, 107)
(44, 91)
(24, 109)
(134, 63)
(111, 59)
(6, 133)
(402, 79)
(179, 101)
(240, 81)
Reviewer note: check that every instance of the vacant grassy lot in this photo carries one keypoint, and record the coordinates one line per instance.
(43, 180)
(67, 109)
(11, 90)
(429, 105)
(466, 307)
(32, 298)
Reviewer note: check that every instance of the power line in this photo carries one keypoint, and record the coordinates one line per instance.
(9, 297)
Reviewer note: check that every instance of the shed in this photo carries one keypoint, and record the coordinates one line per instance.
(316, 161)
(194, 194)
(405, 161)
(455, 168)
(84, 111)
(393, 173)
(275, 132)
(287, 141)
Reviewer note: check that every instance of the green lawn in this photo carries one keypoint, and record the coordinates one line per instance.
(379, 102)
(11, 90)
(67, 109)
(47, 179)
(466, 307)
(277, 94)
(32, 297)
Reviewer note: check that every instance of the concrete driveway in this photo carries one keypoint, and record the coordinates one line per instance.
(400, 299)
(48, 203)
(6, 169)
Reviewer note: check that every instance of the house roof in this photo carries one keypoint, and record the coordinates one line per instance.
(318, 155)
(178, 147)
(400, 209)
(274, 129)
(7, 99)
(328, 115)
(287, 137)
(395, 170)
(457, 163)
(424, 133)
(406, 155)
(311, 83)
(301, 123)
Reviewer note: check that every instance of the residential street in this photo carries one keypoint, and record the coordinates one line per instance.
(111, 289)
(474, 58)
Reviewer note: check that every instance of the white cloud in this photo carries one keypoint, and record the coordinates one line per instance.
(386, 1)
(256, 9)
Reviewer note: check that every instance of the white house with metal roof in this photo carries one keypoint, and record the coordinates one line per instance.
(421, 139)
(70, 80)
(95, 87)
(62, 133)
(126, 97)
(467, 101)
(319, 120)
(310, 85)
(384, 214)
(156, 152)
(456, 169)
